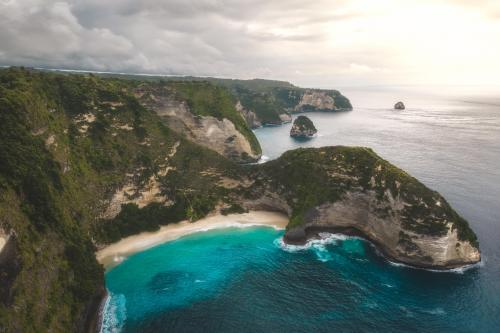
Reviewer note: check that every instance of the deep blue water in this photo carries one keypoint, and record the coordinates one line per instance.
(244, 280)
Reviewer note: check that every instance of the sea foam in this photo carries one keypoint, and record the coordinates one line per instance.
(318, 245)
(114, 314)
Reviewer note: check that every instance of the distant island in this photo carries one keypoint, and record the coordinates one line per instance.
(88, 160)
(399, 106)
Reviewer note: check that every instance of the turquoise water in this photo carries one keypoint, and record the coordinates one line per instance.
(245, 280)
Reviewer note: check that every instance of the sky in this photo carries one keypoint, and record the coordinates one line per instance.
(316, 43)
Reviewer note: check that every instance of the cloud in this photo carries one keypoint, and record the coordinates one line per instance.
(320, 43)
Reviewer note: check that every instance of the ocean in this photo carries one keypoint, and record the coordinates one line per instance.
(247, 280)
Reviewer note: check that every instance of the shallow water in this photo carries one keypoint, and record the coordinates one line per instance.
(244, 280)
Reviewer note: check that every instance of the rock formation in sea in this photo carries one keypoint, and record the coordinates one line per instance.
(303, 128)
(399, 106)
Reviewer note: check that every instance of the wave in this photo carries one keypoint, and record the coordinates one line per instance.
(114, 314)
(238, 225)
(318, 245)
(118, 259)
(263, 159)
(436, 311)
(326, 238)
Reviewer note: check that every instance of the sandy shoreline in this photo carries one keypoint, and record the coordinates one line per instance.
(115, 253)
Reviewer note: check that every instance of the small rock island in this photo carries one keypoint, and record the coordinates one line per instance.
(303, 128)
(399, 106)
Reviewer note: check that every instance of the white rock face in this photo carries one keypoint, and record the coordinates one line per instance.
(318, 100)
(249, 116)
(219, 135)
(358, 211)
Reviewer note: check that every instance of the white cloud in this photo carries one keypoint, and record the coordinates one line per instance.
(317, 43)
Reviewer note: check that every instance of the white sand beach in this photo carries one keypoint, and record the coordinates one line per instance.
(115, 253)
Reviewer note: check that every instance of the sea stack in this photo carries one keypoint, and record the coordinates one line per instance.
(399, 106)
(303, 128)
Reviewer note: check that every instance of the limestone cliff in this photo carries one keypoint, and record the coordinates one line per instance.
(359, 214)
(249, 116)
(353, 190)
(217, 133)
(321, 100)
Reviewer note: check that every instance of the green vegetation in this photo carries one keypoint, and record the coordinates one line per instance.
(267, 98)
(68, 142)
(205, 99)
(233, 209)
(307, 178)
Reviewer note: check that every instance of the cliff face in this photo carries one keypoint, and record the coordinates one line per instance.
(316, 100)
(271, 102)
(353, 190)
(219, 134)
(249, 116)
(359, 214)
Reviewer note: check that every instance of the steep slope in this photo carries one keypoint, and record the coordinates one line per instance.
(267, 102)
(73, 150)
(355, 191)
(205, 114)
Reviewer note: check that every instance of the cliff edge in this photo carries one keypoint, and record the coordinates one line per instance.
(353, 190)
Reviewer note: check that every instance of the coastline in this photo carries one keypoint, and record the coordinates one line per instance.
(385, 252)
(113, 254)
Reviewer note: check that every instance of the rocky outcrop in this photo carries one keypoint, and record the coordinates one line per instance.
(303, 128)
(399, 106)
(250, 117)
(322, 100)
(220, 135)
(359, 214)
(315, 100)
(354, 191)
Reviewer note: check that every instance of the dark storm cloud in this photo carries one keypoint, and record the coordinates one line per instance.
(177, 36)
